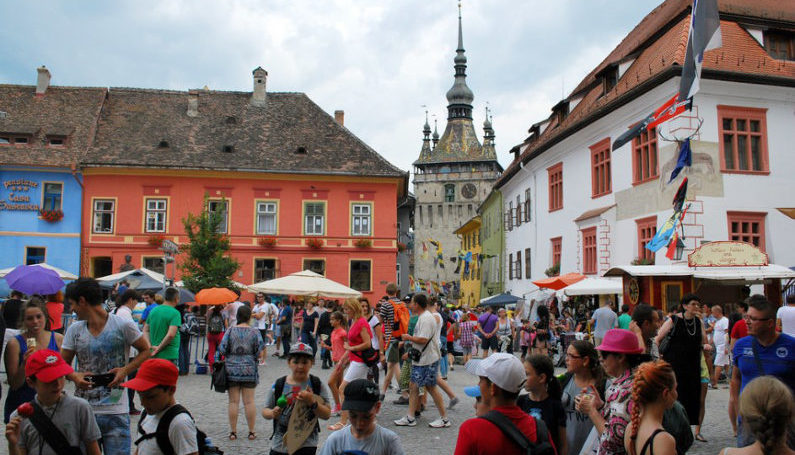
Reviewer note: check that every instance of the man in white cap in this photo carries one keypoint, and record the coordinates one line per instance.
(502, 377)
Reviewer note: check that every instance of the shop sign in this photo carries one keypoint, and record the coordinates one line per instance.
(19, 195)
(726, 254)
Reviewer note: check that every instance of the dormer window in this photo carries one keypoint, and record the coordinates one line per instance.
(560, 111)
(163, 144)
(56, 141)
(231, 120)
(610, 79)
(229, 148)
(14, 139)
(300, 151)
(780, 45)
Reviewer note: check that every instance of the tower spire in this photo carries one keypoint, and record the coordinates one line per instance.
(435, 134)
(459, 96)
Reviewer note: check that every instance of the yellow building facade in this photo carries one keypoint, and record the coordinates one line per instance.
(468, 265)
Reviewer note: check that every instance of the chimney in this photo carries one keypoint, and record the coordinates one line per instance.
(258, 96)
(43, 80)
(193, 103)
(339, 117)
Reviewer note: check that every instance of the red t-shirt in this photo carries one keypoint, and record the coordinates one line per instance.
(55, 311)
(355, 336)
(471, 440)
(739, 330)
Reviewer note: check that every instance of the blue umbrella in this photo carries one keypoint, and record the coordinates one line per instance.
(500, 300)
(34, 280)
(185, 296)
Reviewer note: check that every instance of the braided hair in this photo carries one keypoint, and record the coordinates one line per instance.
(766, 407)
(650, 380)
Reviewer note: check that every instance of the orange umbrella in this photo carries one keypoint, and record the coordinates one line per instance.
(558, 282)
(215, 296)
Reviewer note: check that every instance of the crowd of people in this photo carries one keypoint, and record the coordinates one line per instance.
(637, 388)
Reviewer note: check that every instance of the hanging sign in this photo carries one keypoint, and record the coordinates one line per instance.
(727, 254)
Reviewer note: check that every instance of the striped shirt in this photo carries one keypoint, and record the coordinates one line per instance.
(387, 314)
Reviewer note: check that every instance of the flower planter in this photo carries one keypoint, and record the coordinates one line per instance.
(52, 216)
(315, 244)
(156, 240)
(363, 243)
(267, 242)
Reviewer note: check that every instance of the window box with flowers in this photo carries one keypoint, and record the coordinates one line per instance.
(401, 247)
(267, 242)
(52, 216)
(314, 243)
(552, 271)
(642, 261)
(156, 240)
(363, 243)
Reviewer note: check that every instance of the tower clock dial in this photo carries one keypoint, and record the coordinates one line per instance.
(469, 190)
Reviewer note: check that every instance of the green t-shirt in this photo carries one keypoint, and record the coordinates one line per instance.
(159, 320)
(624, 320)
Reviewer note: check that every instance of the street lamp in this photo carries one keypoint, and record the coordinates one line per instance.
(680, 249)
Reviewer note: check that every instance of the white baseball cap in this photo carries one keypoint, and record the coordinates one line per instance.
(503, 369)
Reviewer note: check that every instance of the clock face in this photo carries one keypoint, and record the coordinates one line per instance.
(469, 190)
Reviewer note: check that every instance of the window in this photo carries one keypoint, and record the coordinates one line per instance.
(222, 208)
(600, 168)
(103, 216)
(56, 141)
(315, 265)
(510, 266)
(361, 218)
(314, 218)
(527, 263)
(526, 210)
(644, 157)
(555, 175)
(449, 193)
(264, 269)
(743, 143)
(52, 196)
(780, 45)
(557, 247)
(397, 274)
(14, 139)
(266, 218)
(360, 275)
(747, 227)
(518, 267)
(153, 263)
(156, 215)
(35, 255)
(589, 250)
(647, 228)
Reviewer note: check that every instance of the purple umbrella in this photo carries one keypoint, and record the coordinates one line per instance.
(34, 280)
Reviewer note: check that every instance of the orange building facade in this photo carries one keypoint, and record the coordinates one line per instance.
(272, 221)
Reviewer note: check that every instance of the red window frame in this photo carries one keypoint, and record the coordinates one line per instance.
(645, 166)
(557, 249)
(734, 131)
(647, 229)
(555, 177)
(589, 250)
(741, 227)
(601, 178)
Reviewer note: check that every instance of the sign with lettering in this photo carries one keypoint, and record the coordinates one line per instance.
(19, 195)
(726, 254)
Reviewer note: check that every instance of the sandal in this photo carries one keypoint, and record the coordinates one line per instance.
(698, 437)
(232, 435)
(252, 436)
(335, 427)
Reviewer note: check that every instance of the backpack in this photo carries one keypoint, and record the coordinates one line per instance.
(216, 324)
(161, 433)
(190, 324)
(278, 391)
(401, 324)
(542, 445)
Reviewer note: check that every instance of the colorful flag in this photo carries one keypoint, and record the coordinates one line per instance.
(667, 111)
(680, 196)
(704, 35)
(685, 159)
(672, 247)
(663, 235)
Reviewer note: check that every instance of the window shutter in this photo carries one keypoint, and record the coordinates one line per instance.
(527, 210)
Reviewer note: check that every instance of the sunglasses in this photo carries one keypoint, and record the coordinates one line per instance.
(605, 354)
(573, 356)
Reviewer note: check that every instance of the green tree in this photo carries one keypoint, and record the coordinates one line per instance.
(207, 264)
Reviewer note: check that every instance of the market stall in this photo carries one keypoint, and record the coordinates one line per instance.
(718, 272)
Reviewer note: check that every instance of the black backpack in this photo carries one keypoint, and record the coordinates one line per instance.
(278, 391)
(161, 433)
(215, 324)
(540, 447)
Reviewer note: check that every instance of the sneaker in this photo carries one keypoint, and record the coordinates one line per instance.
(452, 403)
(337, 411)
(381, 397)
(712, 387)
(440, 423)
(401, 400)
(135, 412)
(405, 421)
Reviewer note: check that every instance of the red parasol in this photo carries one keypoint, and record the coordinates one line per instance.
(559, 282)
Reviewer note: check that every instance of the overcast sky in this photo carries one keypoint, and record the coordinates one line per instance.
(379, 61)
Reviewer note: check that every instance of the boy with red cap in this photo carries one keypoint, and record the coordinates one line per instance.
(70, 416)
(156, 383)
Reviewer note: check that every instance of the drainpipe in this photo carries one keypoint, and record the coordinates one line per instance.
(73, 168)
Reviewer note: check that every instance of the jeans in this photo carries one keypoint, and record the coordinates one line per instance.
(307, 338)
(115, 430)
(443, 365)
(286, 338)
(184, 353)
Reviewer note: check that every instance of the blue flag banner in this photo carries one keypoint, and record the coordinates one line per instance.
(685, 159)
(664, 234)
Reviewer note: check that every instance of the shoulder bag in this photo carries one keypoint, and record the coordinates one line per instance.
(665, 343)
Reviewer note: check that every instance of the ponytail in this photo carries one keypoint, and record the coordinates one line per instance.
(542, 364)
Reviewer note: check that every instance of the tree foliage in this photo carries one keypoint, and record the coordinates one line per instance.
(207, 264)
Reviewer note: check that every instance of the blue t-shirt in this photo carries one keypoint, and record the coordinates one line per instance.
(148, 310)
(778, 359)
(287, 314)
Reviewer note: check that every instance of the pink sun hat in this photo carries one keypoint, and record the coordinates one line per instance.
(620, 341)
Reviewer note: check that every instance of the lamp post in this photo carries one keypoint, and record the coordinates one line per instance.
(680, 249)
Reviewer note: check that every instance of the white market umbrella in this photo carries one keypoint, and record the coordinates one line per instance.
(305, 283)
(593, 286)
(61, 273)
(159, 277)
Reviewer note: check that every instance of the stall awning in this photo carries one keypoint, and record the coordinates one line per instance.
(594, 286)
(754, 273)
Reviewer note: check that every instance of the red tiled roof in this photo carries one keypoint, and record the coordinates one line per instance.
(667, 26)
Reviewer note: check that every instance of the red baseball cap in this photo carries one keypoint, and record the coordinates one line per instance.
(154, 372)
(47, 366)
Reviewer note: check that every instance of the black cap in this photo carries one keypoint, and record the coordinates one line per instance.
(360, 395)
(407, 298)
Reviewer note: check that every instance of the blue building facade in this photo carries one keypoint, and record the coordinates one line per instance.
(28, 196)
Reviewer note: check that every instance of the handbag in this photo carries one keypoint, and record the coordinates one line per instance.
(665, 343)
(369, 356)
(415, 354)
(219, 381)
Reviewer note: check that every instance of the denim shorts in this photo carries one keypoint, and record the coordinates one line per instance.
(115, 430)
(425, 375)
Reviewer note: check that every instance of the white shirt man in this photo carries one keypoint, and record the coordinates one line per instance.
(785, 316)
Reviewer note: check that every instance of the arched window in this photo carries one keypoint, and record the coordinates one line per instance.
(449, 193)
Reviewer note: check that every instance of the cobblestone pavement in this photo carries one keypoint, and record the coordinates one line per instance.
(209, 408)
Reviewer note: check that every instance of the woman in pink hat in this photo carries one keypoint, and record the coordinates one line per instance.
(619, 354)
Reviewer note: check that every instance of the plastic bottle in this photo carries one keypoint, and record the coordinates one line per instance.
(282, 401)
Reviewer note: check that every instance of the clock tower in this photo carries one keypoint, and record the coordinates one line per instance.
(452, 178)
